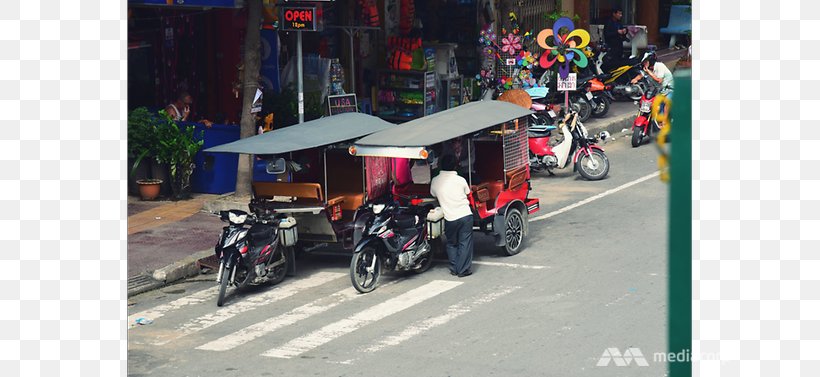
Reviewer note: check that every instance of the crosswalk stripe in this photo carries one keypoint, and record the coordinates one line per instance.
(419, 327)
(249, 303)
(301, 313)
(345, 326)
(159, 311)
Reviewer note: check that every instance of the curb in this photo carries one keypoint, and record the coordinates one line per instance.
(613, 125)
(185, 267)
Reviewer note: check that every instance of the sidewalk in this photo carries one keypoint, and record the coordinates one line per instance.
(166, 239)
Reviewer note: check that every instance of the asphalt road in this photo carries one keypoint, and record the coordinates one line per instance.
(591, 278)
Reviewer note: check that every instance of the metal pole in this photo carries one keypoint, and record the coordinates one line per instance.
(324, 159)
(299, 82)
(469, 162)
(352, 63)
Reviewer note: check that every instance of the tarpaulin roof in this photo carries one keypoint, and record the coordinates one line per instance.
(316, 133)
(448, 124)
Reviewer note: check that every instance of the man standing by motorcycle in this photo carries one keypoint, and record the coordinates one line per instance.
(452, 190)
(614, 36)
(660, 73)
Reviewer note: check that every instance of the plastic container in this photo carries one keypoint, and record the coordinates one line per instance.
(288, 236)
(215, 173)
(435, 223)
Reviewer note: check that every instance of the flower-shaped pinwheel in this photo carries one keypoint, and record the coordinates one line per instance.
(525, 59)
(511, 44)
(567, 46)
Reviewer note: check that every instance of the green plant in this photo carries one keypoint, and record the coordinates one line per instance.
(557, 13)
(142, 138)
(176, 146)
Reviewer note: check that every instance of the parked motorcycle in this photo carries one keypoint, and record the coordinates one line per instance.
(251, 250)
(395, 239)
(588, 158)
(645, 124)
(619, 73)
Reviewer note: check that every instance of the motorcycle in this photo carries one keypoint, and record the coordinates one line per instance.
(645, 124)
(618, 74)
(395, 239)
(588, 158)
(250, 251)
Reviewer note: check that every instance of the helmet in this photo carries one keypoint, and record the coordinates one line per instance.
(650, 57)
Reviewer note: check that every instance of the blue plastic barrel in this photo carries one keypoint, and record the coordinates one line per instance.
(215, 173)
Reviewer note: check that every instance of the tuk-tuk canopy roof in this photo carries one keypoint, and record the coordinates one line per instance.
(449, 124)
(316, 133)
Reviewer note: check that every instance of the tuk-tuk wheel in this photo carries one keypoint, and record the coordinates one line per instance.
(513, 232)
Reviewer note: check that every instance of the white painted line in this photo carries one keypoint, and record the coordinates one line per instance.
(511, 265)
(159, 311)
(596, 197)
(451, 313)
(372, 314)
(248, 303)
(303, 312)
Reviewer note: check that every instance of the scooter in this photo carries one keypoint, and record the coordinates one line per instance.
(252, 255)
(588, 158)
(645, 124)
(394, 239)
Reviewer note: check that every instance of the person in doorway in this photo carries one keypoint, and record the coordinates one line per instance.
(452, 192)
(181, 108)
(614, 36)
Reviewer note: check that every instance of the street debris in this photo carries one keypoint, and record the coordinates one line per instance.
(144, 321)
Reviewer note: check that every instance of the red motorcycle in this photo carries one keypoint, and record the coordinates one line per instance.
(645, 124)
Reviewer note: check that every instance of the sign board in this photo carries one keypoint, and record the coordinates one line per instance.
(192, 3)
(567, 84)
(510, 61)
(343, 103)
(300, 18)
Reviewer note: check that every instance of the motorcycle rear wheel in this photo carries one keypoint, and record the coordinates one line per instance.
(278, 274)
(599, 171)
(426, 261)
(603, 107)
(358, 270)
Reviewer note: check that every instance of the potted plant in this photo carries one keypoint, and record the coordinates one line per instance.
(142, 142)
(176, 146)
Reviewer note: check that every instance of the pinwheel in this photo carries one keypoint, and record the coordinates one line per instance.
(511, 44)
(567, 48)
(525, 59)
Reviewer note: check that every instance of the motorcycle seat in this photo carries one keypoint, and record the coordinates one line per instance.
(404, 221)
(538, 106)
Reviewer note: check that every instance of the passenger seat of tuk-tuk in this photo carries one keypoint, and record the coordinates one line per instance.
(305, 193)
(344, 180)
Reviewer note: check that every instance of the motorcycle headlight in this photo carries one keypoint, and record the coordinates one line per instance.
(237, 219)
(377, 208)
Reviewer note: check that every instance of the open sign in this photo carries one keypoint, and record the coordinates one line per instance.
(300, 18)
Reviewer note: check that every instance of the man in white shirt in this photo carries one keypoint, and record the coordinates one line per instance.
(658, 72)
(452, 192)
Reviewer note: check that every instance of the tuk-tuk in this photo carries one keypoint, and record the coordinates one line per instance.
(496, 164)
(318, 182)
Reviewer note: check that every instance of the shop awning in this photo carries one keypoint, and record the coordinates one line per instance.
(458, 121)
(316, 133)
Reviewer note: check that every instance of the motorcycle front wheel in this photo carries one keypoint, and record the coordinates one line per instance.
(637, 137)
(223, 285)
(594, 166)
(583, 108)
(365, 270)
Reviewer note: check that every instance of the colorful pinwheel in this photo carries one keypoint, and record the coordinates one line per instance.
(525, 59)
(511, 44)
(567, 48)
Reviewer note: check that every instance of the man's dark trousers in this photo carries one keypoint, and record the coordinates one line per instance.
(459, 235)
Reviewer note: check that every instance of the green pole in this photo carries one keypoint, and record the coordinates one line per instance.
(680, 225)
